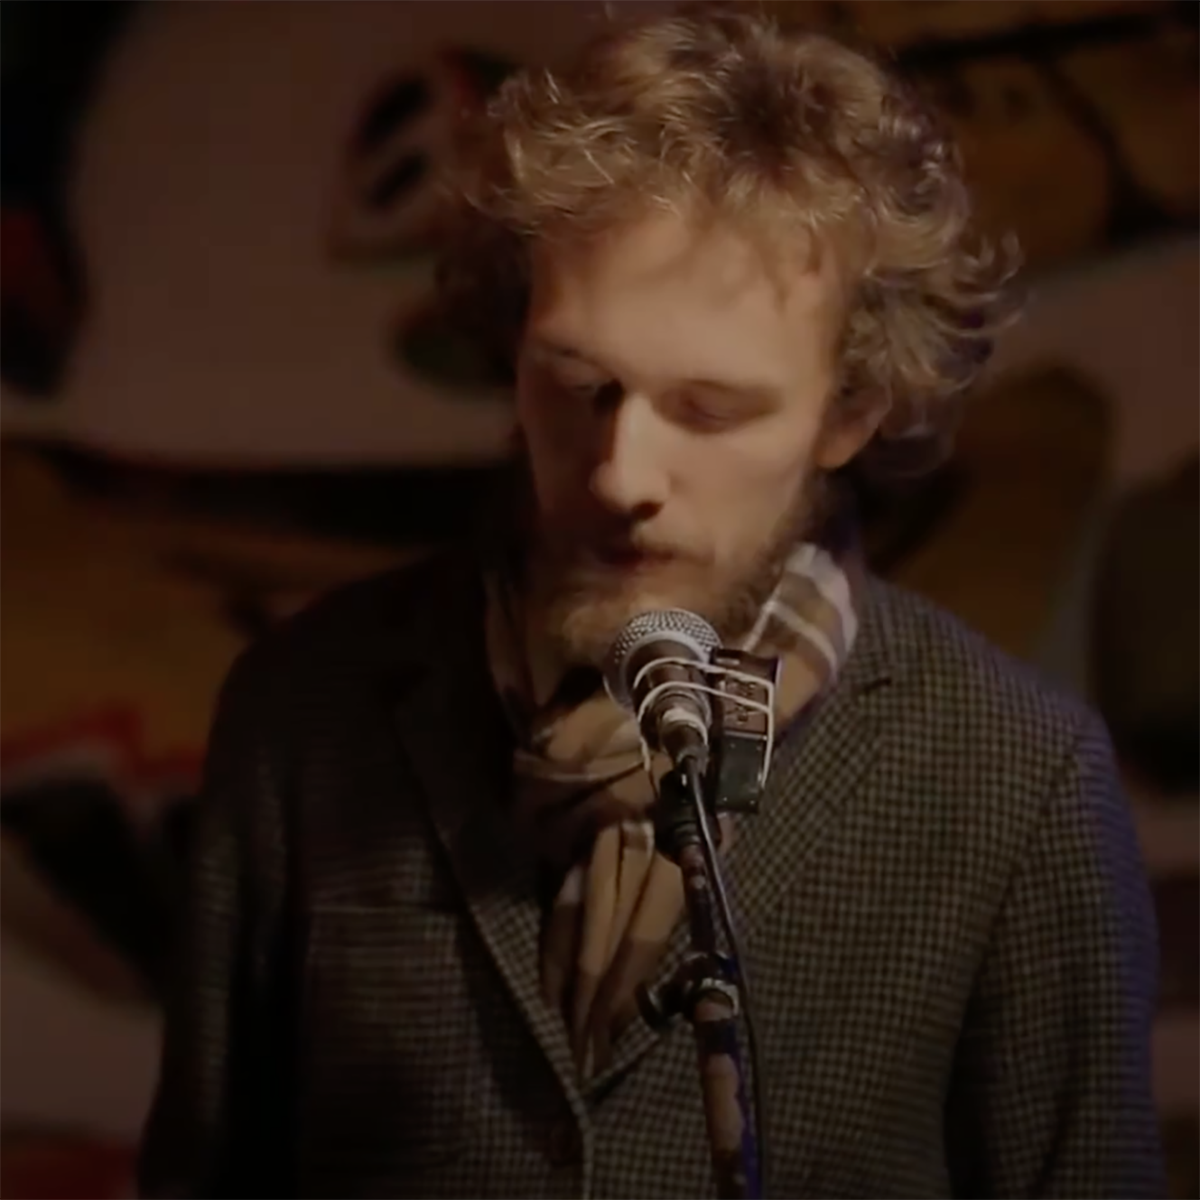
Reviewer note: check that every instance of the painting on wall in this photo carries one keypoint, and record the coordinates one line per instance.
(1145, 639)
(1078, 123)
(40, 1163)
(50, 56)
(1177, 903)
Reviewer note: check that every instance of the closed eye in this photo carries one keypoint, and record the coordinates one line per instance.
(712, 415)
(590, 391)
(586, 389)
(567, 376)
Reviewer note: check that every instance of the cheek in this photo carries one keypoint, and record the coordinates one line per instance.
(742, 498)
(752, 480)
(548, 444)
(546, 415)
(528, 408)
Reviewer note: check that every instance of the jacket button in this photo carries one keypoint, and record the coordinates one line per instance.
(564, 1144)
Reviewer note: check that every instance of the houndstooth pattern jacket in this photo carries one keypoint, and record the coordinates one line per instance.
(944, 916)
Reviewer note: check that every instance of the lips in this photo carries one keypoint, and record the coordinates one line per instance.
(630, 558)
(619, 556)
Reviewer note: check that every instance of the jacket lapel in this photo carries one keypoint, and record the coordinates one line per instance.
(454, 736)
(819, 765)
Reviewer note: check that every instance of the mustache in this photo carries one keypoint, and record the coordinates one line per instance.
(569, 546)
(607, 542)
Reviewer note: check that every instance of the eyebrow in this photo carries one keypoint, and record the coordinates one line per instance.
(736, 388)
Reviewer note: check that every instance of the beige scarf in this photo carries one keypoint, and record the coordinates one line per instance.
(582, 790)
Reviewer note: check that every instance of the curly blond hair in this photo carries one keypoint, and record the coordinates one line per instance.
(718, 112)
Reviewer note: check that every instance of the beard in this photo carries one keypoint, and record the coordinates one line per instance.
(583, 602)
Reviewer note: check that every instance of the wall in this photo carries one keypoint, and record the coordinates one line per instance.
(222, 329)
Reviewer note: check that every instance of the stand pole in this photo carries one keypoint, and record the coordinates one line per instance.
(705, 990)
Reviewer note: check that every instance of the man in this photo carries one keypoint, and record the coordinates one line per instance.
(732, 271)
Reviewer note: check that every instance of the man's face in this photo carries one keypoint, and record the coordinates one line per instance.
(672, 396)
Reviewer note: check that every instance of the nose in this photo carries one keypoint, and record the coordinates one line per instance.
(630, 478)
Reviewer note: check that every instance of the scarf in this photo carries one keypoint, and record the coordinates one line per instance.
(582, 791)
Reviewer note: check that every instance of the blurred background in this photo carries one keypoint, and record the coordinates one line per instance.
(222, 394)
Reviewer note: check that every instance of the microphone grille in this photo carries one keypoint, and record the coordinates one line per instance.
(666, 624)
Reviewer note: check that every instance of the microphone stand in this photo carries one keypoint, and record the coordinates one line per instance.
(705, 987)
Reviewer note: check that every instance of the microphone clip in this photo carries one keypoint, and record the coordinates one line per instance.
(743, 690)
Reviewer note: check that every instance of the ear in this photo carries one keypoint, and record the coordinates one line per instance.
(849, 426)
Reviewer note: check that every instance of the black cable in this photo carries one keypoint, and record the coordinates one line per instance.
(709, 850)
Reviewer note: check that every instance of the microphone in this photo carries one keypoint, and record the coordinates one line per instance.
(677, 719)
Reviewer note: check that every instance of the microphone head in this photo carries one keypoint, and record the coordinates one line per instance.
(673, 632)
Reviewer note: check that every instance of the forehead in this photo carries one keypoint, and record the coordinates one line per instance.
(664, 298)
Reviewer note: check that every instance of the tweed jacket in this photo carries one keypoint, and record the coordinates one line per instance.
(944, 916)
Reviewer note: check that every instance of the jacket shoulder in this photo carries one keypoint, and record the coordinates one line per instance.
(354, 632)
(976, 709)
(983, 762)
